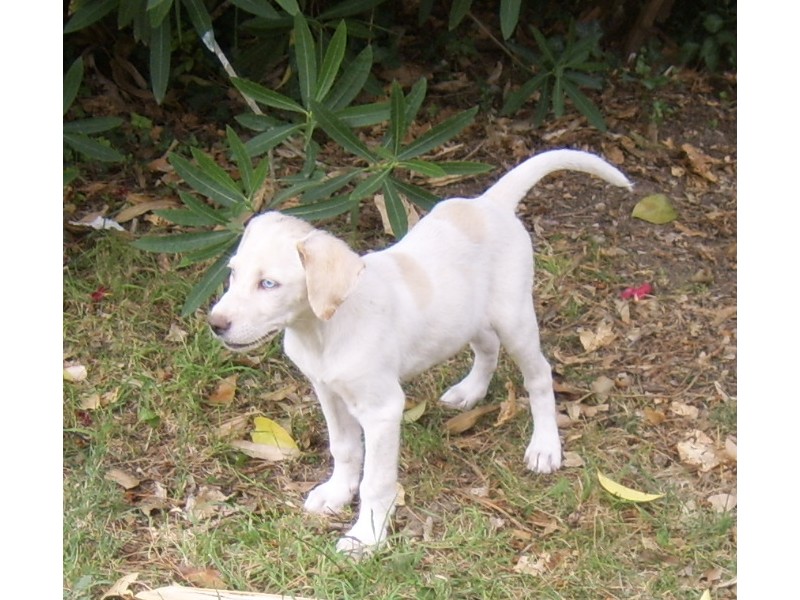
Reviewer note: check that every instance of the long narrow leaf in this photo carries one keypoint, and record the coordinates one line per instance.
(584, 80)
(439, 134)
(323, 210)
(352, 79)
(184, 217)
(182, 242)
(458, 10)
(212, 170)
(264, 142)
(558, 96)
(157, 10)
(509, 16)
(328, 186)
(397, 118)
(160, 55)
(88, 13)
(72, 83)
(290, 6)
(341, 133)
(363, 115)
(208, 284)
(419, 196)
(198, 15)
(423, 167)
(395, 209)
(260, 8)
(306, 57)
(92, 125)
(518, 97)
(243, 161)
(265, 96)
(203, 183)
(92, 148)
(463, 167)
(415, 98)
(334, 55)
(370, 184)
(585, 106)
(544, 45)
(202, 209)
(348, 8)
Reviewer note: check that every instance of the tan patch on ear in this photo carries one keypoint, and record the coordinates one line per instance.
(414, 277)
(466, 217)
(332, 270)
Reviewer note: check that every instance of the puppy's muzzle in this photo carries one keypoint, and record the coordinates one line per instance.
(221, 325)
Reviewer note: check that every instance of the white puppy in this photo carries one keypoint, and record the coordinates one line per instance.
(357, 326)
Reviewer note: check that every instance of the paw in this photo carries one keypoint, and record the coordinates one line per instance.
(544, 453)
(329, 498)
(359, 544)
(462, 396)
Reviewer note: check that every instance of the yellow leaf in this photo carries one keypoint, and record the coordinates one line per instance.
(414, 413)
(656, 209)
(269, 433)
(264, 451)
(626, 493)
(706, 595)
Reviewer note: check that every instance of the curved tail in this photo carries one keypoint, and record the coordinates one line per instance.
(514, 185)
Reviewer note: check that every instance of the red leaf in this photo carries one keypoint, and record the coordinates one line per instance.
(99, 293)
(637, 293)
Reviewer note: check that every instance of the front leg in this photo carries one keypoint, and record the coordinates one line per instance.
(348, 454)
(380, 414)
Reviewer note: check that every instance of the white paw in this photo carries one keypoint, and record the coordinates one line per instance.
(462, 396)
(544, 453)
(329, 498)
(360, 542)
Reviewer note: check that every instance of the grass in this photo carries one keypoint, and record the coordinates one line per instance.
(475, 523)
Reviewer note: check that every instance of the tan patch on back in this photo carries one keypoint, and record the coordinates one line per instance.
(415, 278)
(466, 218)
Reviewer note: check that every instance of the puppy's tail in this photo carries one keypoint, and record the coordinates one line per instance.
(514, 185)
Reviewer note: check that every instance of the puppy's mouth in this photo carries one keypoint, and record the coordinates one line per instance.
(244, 347)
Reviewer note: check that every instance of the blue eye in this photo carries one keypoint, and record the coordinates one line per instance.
(268, 284)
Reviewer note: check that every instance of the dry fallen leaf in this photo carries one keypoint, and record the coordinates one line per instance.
(204, 504)
(656, 209)
(722, 502)
(204, 578)
(572, 460)
(701, 163)
(653, 417)
(176, 334)
(120, 587)
(123, 478)
(594, 340)
(602, 386)
(75, 373)
(529, 565)
(684, 410)
(698, 451)
(467, 420)
(509, 407)
(156, 501)
(412, 215)
(224, 392)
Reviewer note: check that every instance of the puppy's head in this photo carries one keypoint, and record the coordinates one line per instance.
(283, 270)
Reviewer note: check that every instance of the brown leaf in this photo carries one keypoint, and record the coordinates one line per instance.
(509, 407)
(722, 502)
(698, 451)
(205, 503)
(700, 163)
(126, 480)
(467, 420)
(224, 392)
(202, 577)
(653, 417)
(120, 587)
(594, 340)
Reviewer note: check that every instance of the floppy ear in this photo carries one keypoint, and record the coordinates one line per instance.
(332, 269)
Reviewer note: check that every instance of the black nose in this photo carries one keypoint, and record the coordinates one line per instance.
(219, 325)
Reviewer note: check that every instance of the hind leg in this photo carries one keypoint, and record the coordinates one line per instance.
(519, 334)
(471, 389)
